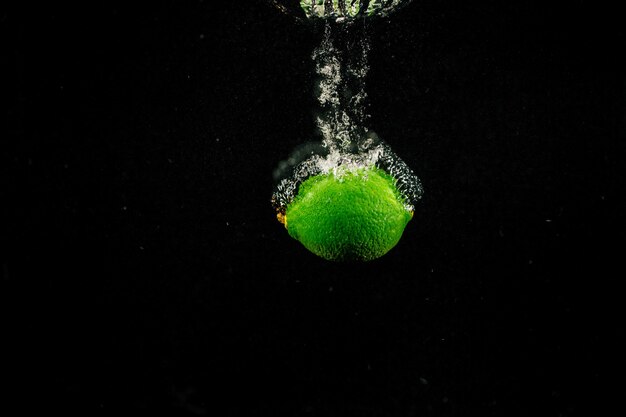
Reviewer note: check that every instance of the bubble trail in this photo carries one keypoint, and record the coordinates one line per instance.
(342, 124)
(341, 63)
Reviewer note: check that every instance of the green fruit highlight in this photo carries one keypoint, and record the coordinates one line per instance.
(357, 215)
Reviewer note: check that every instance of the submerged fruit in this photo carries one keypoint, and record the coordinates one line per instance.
(356, 215)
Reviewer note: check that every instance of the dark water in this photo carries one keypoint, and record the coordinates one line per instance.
(144, 270)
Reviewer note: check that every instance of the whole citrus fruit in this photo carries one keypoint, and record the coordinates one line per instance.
(355, 215)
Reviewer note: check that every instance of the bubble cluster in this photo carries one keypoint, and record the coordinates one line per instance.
(348, 9)
(313, 159)
(338, 10)
(347, 145)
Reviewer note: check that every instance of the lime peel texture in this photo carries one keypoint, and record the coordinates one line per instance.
(356, 215)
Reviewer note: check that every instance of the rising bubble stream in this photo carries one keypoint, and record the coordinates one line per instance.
(347, 144)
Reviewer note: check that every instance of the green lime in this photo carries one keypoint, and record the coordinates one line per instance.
(358, 215)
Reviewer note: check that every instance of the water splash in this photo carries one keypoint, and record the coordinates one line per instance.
(338, 10)
(348, 9)
(341, 64)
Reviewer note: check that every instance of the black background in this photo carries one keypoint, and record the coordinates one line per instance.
(144, 270)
